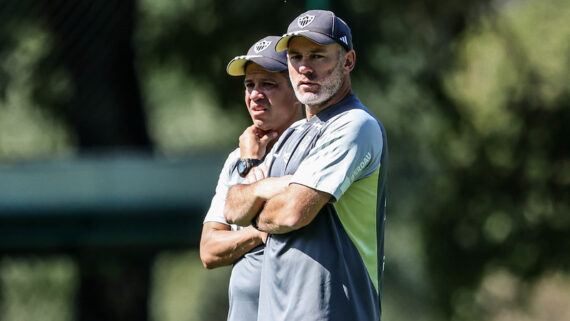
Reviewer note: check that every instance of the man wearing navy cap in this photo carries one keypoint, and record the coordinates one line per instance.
(325, 250)
(272, 105)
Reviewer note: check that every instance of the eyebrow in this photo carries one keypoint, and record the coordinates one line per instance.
(247, 80)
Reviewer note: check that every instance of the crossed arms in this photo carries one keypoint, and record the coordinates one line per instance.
(286, 207)
(274, 204)
(282, 208)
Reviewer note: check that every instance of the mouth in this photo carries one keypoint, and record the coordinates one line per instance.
(308, 85)
(258, 110)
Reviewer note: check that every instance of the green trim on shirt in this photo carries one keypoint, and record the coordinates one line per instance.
(356, 210)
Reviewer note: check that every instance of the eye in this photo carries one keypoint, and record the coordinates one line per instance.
(249, 85)
(317, 56)
(294, 57)
(269, 85)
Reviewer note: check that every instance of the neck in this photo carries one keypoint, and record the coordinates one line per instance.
(312, 110)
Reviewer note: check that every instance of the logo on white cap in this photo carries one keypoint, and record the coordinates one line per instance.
(261, 45)
(305, 20)
(343, 39)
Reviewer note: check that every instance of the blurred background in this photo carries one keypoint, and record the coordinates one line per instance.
(116, 117)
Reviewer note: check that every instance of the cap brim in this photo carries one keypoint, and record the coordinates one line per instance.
(316, 37)
(236, 67)
(283, 42)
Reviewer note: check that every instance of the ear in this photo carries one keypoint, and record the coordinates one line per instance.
(349, 60)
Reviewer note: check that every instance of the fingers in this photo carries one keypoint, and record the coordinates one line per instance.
(264, 237)
(265, 168)
(259, 132)
(250, 131)
(253, 142)
(249, 144)
(255, 174)
(267, 138)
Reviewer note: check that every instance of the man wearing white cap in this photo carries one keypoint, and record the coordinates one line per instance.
(325, 250)
(272, 105)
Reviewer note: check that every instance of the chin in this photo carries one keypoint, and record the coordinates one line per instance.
(260, 124)
(307, 97)
(311, 99)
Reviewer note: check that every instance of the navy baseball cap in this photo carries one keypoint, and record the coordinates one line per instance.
(262, 53)
(320, 26)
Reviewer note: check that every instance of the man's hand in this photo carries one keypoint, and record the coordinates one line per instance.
(244, 201)
(291, 210)
(256, 174)
(253, 142)
(271, 186)
(263, 236)
(220, 246)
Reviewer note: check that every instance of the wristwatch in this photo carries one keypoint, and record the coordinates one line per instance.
(244, 165)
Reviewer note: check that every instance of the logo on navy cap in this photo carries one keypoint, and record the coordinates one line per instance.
(261, 45)
(305, 20)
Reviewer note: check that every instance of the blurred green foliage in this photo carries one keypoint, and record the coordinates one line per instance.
(500, 199)
(37, 288)
(474, 96)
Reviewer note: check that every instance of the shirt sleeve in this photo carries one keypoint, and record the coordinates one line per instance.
(225, 181)
(349, 149)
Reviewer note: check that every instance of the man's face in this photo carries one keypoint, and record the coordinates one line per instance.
(315, 70)
(269, 98)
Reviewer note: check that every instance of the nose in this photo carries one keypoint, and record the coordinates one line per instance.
(256, 93)
(304, 67)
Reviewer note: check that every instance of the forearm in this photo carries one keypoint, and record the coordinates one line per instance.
(242, 204)
(273, 219)
(224, 247)
(291, 210)
(244, 201)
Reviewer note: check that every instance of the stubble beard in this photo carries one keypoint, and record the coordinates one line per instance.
(328, 88)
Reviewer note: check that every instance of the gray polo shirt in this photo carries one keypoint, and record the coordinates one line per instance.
(332, 268)
(243, 288)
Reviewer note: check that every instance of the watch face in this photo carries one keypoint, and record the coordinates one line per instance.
(242, 168)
